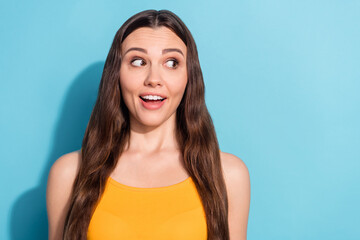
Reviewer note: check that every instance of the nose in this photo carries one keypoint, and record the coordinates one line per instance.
(153, 78)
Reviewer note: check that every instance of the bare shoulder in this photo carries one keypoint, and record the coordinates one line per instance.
(62, 175)
(65, 167)
(237, 181)
(234, 168)
(59, 186)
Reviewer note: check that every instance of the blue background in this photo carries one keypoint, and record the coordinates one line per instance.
(282, 85)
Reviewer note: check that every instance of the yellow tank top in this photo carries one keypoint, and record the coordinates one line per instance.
(173, 212)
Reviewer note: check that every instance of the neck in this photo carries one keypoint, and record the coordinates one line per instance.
(153, 138)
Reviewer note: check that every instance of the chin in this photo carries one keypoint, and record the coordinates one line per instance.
(156, 119)
(151, 121)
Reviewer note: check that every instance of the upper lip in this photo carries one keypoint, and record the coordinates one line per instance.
(154, 94)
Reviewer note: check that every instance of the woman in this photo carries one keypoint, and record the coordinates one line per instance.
(150, 165)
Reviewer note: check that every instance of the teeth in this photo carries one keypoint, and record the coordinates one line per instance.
(152, 97)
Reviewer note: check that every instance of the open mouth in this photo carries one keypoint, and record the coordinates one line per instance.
(152, 99)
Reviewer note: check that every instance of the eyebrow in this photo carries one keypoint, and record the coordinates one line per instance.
(135, 49)
(166, 50)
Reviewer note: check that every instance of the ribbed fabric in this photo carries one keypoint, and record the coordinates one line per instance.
(164, 213)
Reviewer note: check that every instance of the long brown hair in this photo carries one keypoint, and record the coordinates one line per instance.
(108, 131)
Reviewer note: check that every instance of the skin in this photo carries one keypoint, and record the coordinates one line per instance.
(152, 158)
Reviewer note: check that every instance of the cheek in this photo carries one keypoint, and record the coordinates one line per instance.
(129, 81)
(178, 85)
(127, 88)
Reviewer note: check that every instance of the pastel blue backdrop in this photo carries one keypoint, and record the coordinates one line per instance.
(282, 85)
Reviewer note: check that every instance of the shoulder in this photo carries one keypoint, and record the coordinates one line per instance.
(62, 174)
(59, 186)
(235, 170)
(65, 168)
(237, 181)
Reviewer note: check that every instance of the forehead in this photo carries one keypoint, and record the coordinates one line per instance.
(160, 37)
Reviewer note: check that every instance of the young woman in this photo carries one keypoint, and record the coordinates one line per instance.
(150, 165)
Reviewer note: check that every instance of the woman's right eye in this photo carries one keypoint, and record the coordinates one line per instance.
(138, 62)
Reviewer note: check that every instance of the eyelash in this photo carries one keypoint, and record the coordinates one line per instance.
(176, 62)
(135, 59)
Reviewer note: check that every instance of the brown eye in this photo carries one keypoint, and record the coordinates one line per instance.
(138, 62)
(172, 63)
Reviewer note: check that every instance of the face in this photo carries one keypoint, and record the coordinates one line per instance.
(153, 75)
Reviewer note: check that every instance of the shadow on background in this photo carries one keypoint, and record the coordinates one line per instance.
(28, 214)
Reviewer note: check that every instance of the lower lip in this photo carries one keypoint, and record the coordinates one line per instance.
(152, 105)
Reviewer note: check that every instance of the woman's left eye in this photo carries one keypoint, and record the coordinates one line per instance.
(172, 63)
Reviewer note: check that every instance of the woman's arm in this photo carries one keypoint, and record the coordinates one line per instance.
(60, 181)
(237, 182)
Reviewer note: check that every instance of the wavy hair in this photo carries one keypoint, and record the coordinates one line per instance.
(108, 131)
